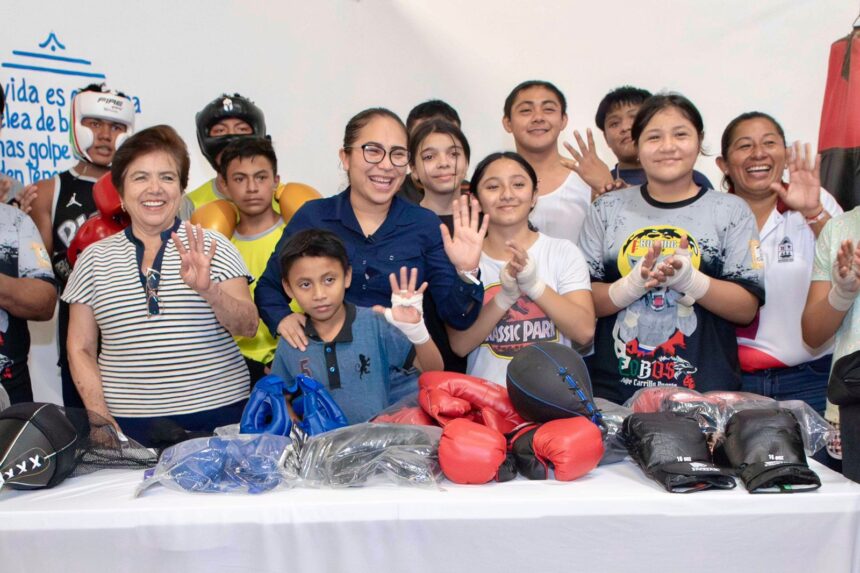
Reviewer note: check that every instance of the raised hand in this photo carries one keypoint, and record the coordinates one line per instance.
(588, 165)
(633, 286)
(25, 198)
(804, 187)
(526, 271)
(681, 275)
(5, 187)
(196, 261)
(845, 277)
(407, 311)
(464, 248)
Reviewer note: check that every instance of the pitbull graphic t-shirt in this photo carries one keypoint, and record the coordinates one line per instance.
(659, 340)
(562, 267)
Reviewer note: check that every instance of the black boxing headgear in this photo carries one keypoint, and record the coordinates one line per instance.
(37, 446)
(223, 107)
(547, 381)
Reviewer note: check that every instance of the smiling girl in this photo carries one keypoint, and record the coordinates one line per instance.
(537, 287)
(673, 266)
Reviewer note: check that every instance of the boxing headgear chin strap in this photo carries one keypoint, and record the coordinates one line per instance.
(106, 106)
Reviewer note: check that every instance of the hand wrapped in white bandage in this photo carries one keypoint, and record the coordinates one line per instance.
(407, 307)
(844, 279)
(510, 291)
(630, 288)
(529, 282)
(524, 269)
(682, 276)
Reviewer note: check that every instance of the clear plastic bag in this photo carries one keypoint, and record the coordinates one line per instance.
(706, 410)
(370, 454)
(614, 447)
(238, 464)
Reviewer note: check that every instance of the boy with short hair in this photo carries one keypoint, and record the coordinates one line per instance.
(614, 117)
(361, 355)
(248, 174)
(535, 113)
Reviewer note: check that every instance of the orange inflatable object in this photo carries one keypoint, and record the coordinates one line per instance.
(220, 215)
(292, 196)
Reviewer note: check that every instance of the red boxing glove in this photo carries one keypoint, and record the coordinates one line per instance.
(470, 453)
(411, 415)
(573, 446)
(106, 197)
(95, 229)
(448, 395)
(650, 399)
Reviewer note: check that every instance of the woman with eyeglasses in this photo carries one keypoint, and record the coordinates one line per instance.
(382, 233)
(165, 298)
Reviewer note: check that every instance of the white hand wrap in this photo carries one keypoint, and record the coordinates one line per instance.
(627, 290)
(416, 332)
(842, 293)
(688, 280)
(510, 291)
(416, 301)
(529, 282)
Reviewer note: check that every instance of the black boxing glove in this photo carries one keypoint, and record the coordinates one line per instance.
(672, 450)
(765, 448)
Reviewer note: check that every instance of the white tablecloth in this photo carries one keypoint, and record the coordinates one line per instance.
(614, 519)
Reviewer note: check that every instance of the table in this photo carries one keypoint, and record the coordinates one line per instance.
(611, 520)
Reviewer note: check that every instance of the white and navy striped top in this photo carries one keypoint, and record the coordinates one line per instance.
(179, 361)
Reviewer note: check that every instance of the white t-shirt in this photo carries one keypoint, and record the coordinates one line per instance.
(562, 267)
(774, 339)
(561, 213)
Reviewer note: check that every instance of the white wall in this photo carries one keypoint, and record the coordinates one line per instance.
(311, 65)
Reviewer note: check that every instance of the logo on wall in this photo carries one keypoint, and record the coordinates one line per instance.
(41, 83)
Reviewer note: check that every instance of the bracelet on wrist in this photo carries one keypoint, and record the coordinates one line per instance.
(470, 275)
(817, 218)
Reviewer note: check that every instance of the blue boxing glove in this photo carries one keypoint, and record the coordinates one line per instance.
(267, 402)
(318, 410)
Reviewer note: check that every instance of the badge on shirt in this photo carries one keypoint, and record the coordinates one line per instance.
(42, 258)
(755, 253)
(785, 253)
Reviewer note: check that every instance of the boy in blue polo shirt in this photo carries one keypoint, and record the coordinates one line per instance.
(365, 357)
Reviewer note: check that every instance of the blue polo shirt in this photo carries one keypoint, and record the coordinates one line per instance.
(365, 368)
(408, 237)
(634, 177)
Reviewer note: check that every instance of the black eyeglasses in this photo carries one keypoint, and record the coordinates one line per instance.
(399, 156)
(153, 279)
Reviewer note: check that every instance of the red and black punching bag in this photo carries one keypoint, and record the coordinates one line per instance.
(839, 135)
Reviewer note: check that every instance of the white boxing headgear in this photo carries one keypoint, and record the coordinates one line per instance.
(104, 105)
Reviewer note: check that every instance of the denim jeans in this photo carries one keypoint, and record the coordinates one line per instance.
(807, 382)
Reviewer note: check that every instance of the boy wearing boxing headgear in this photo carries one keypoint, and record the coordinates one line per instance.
(362, 356)
(223, 120)
(100, 121)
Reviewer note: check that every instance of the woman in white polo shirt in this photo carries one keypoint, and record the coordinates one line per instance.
(774, 359)
(164, 298)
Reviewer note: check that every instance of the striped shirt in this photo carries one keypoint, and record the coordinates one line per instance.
(179, 361)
